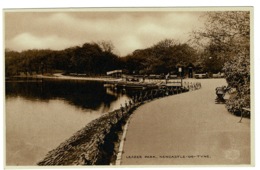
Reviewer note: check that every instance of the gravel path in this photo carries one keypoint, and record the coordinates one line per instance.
(187, 129)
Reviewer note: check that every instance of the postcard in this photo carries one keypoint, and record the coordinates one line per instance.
(129, 87)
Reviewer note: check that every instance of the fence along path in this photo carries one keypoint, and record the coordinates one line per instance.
(187, 129)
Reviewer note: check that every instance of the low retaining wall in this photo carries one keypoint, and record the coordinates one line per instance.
(92, 145)
(98, 142)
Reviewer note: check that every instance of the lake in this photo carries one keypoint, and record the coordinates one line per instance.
(41, 114)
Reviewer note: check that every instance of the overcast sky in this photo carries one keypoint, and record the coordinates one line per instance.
(127, 30)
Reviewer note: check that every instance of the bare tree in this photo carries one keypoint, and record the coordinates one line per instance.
(229, 30)
(166, 43)
(106, 46)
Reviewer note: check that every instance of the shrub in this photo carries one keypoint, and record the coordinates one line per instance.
(237, 73)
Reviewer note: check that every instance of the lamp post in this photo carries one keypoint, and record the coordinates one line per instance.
(210, 71)
(180, 71)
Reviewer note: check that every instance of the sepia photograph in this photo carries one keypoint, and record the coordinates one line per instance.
(128, 87)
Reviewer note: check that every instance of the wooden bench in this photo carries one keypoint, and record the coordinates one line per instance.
(244, 110)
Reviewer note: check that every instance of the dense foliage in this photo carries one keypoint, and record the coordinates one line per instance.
(228, 33)
(97, 58)
(90, 59)
(162, 58)
(238, 76)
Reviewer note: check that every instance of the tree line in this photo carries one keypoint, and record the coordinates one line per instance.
(94, 59)
(162, 58)
(90, 59)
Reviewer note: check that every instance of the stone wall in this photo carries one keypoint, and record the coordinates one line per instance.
(92, 145)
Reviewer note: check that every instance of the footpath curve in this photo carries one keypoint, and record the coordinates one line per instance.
(187, 129)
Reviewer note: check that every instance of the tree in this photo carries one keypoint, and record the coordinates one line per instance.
(212, 60)
(106, 46)
(89, 59)
(228, 34)
(225, 29)
(162, 58)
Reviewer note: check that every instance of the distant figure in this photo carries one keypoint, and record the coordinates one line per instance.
(121, 108)
(141, 98)
(130, 103)
(135, 98)
(126, 106)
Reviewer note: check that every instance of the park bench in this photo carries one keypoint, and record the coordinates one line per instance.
(201, 75)
(244, 111)
(173, 76)
(218, 75)
(220, 92)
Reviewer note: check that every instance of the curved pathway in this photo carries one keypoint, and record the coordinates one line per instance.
(187, 129)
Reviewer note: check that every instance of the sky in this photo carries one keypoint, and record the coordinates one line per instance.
(128, 30)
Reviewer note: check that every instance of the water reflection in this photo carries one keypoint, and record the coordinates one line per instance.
(87, 95)
(40, 114)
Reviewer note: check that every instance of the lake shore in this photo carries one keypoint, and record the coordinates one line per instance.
(96, 78)
(65, 77)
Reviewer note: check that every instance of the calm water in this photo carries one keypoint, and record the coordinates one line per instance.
(41, 115)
